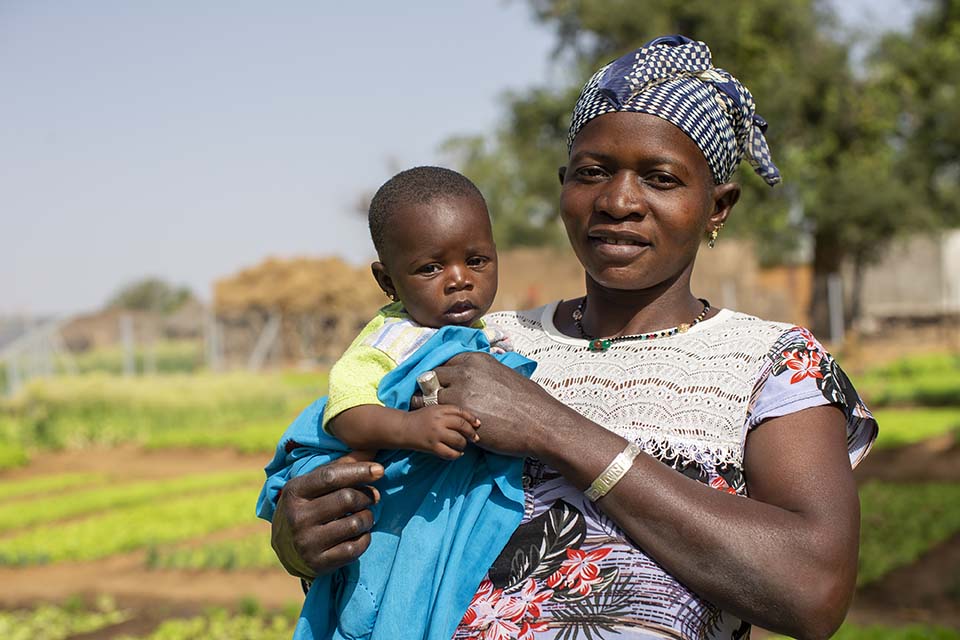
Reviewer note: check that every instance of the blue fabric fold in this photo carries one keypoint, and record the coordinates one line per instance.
(439, 524)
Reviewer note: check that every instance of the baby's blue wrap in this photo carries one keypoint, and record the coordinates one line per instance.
(439, 524)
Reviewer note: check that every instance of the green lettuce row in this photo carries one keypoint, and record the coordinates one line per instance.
(255, 437)
(131, 528)
(851, 631)
(40, 485)
(899, 522)
(900, 427)
(49, 622)
(249, 552)
(221, 625)
(51, 508)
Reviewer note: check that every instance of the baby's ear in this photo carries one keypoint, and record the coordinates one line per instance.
(383, 279)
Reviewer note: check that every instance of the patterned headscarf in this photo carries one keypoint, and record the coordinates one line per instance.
(673, 77)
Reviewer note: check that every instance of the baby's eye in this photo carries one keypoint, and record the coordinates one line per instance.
(477, 262)
(429, 269)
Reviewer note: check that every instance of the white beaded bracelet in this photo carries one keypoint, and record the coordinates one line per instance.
(613, 473)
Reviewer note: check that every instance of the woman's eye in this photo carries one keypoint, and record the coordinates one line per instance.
(661, 180)
(591, 173)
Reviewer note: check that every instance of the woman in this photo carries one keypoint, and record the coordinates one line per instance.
(652, 415)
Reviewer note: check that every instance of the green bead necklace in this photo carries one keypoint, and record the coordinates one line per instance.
(602, 344)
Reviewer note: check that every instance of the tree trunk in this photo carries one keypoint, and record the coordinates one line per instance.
(828, 255)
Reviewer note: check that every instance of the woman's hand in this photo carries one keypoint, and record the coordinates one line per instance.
(322, 518)
(512, 409)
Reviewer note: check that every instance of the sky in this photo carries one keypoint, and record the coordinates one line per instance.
(187, 140)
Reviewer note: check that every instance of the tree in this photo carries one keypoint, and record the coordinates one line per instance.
(150, 294)
(832, 128)
(921, 68)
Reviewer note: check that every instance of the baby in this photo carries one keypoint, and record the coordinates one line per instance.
(438, 263)
(448, 509)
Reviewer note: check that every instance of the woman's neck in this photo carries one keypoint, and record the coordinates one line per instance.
(609, 313)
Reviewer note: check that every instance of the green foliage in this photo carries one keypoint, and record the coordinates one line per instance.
(71, 412)
(900, 427)
(918, 365)
(150, 294)
(60, 506)
(130, 528)
(926, 389)
(899, 522)
(12, 455)
(168, 356)
(257, 437)
(219, 624)
(850, 631)
(50, 622)
(921, 69)
(910, 632)
(250, 552)
(35, 487)
(928, 380)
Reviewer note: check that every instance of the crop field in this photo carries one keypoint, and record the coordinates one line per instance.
(126, 506)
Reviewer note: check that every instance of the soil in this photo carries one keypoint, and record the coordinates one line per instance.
(927, 591)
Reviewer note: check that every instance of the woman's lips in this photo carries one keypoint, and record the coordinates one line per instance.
(619, 247)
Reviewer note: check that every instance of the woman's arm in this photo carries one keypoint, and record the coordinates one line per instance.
(784, 559)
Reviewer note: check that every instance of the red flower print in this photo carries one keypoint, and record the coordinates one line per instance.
(529, 628)
(531, 600)
(721, 485)
(579, 571)
(496, 617)
(805, 364)
(812, 344)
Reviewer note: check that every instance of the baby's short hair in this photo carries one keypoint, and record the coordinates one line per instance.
(419, 185)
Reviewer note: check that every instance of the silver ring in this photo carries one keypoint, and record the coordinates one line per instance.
(430, 386)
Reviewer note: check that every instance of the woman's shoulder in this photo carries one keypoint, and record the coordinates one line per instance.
(526, 320)
(738, 333)
(754, 324)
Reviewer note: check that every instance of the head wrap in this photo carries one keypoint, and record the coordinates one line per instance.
(673, 77)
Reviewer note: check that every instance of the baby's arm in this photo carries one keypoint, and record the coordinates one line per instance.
(442, 430)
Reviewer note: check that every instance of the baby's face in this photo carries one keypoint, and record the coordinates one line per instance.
(441, 261)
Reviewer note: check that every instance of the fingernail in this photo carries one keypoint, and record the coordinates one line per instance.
(376, 469)
(476, 438)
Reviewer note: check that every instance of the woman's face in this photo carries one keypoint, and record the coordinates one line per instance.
(637, 199)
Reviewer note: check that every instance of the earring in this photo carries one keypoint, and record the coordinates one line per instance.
(713, 235)
(392, 296)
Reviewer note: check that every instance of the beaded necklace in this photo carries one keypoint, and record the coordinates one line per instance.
(602, 344)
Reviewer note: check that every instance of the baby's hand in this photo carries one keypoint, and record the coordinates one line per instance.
(499, 341)
(443, 430)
